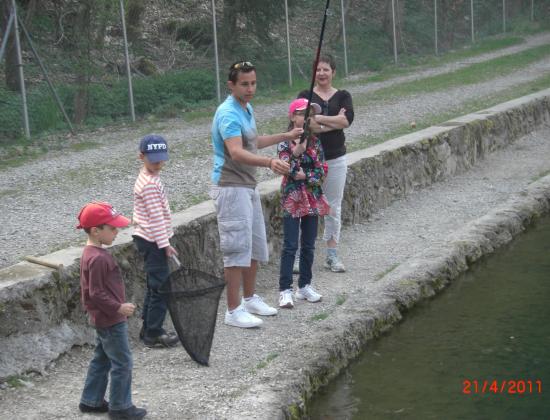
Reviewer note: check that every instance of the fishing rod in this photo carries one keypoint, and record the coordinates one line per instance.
(306, 122)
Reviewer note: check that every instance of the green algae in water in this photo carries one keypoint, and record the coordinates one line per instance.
(492, 324)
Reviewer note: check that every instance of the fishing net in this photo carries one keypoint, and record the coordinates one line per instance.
(193, 298)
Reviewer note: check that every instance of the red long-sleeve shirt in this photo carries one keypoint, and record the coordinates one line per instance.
(101, 287)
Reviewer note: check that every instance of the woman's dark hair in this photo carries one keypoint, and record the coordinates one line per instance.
(327, 58)
(239, 67)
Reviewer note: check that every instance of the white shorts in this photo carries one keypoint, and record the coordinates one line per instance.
(241, 225)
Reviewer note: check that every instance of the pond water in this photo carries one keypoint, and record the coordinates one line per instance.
(479, 350)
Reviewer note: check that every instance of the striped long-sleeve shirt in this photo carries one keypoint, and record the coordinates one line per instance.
(152, 218)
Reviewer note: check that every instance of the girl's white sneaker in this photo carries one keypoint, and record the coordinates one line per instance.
(308, 293)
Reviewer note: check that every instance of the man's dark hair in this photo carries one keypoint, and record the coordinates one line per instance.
(239, 67)
(327, 58)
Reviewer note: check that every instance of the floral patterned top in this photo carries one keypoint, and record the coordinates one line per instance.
(301, 198)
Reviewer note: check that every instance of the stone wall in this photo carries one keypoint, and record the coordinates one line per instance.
(40, 314)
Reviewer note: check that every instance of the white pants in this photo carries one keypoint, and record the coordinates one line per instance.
(333, 187)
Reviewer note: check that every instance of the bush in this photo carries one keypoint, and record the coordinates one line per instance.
(164, 95)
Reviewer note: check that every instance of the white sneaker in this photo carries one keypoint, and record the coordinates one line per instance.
(241, 318)
(308, 293)
(285, 299)
(256, 305)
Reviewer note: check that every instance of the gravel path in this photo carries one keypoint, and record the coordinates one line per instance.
(40, 200)
(171, 386)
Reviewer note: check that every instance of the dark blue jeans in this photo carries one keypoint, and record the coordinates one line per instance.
(291, 229)
(112, 354)
(155, 303)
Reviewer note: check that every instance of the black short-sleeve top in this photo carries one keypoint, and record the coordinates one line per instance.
(333, 141)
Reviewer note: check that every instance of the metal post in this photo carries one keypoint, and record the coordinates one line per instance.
(21, 76)
(216, 51)
(394, 32)
(6, 36)
(127, 57)
(532, 10)
(344, 37)
(435, 27)
(503, 15)
(472, 20)
(45, 73)
(288, 45)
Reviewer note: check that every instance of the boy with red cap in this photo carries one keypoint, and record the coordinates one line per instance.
(152, 221)
(103, 296)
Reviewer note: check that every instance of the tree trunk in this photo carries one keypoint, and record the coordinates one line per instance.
(10, 55)
(83, 19)
(135, 11)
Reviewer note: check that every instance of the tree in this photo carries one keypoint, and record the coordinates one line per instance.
(10, 55)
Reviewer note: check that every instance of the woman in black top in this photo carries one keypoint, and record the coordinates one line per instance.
(337, 114)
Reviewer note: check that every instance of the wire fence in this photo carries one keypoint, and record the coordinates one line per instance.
(178, 51)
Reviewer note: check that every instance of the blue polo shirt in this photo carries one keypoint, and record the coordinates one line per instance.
(231, 120)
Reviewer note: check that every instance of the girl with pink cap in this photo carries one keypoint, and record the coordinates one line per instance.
(303, 201)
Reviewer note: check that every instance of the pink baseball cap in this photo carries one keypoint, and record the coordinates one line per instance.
(97, 214)
(300, 104)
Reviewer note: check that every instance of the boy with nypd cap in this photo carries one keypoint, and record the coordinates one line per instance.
(103, 296)
(152, 221)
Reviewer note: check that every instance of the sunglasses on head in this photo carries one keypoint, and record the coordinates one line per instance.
(242, 65)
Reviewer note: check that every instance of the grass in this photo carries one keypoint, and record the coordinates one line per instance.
(383, 273)
(14, 381)
(408, 64)
(85, 145)
(340, 299)
(197, 199)
(475, 73)
(320, 316)
(541, 175)
(466, 107)
(266, 361)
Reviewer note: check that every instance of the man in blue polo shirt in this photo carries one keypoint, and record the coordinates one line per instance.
(241, 223)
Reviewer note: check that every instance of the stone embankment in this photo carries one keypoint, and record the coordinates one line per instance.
(40, 315)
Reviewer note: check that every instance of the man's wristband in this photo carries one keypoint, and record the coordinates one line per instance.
(269, 163)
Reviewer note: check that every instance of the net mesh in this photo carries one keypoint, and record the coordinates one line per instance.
(193, 298)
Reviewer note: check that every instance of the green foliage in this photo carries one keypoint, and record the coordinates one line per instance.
(165, 95)
(266, 361)
(14, 381)
(320, 316)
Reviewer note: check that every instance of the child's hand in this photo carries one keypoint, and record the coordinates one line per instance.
(127, 309)
(300, 175)
(295, 133)
(170, 250)
(298, 148)
(279, 166)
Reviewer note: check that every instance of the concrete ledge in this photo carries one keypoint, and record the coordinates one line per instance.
(37, 301)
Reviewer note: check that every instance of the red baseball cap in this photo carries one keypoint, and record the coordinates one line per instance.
(97, 214)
